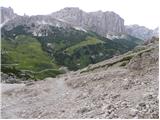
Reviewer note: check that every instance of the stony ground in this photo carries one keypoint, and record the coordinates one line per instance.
(103, 90)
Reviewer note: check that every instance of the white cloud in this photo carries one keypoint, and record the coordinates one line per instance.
(142, 12)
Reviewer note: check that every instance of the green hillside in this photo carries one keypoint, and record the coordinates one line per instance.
(60, 47)
(88, 41)
(26, 53)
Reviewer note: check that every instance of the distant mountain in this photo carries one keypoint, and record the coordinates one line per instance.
(7, 14)
(103, 23)
(142, 32)
(99, 22)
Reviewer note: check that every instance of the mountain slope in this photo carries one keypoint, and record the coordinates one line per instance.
(70, 47)
(26, 52)
(103, 23)
(123, 87)
(142, 32)
(7, 14)
(23, 56)
(99, 22)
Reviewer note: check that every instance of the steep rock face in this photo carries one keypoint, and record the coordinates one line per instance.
(36, 20)
(7, 14)
(34, 23)
(142, 32)
(10, 20)
(99, 22)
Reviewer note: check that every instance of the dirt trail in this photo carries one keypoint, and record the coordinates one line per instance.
(96, 95)
(45, 98)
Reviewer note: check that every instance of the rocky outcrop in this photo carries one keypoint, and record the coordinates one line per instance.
(36, 25)
(9, 20)
(9, 78)
(7, 14)
(103, 23)
(142, 32)
(99, 22)
(35, 21)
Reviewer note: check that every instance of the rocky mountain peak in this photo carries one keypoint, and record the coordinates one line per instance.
(99, 22)
(71, 9)
(103, 23)
(7, 14)
(141, 31)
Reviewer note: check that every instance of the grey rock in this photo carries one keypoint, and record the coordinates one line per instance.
(29, 83)
(9, 78)
(133, 112)
(141, 106)
(142, 32)
(99, 22)
(7, 14)
(83, 110)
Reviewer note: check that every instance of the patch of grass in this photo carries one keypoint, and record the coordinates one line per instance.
(139, 48)
(27, 53)
(24, 57)
(88, 41)
(28, 74)
(47, 73)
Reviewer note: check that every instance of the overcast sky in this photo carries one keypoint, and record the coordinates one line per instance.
(142, 12)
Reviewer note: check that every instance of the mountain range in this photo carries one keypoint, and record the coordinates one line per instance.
(142, 32)
(103, 23)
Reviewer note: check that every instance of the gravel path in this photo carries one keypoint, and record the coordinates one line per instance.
(45, 98)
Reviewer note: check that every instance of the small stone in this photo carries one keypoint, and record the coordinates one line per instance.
(150, 97)
(63, 111)
(115, 96)
(29, 83)
(142, 105)
(83, 110)
(105, 94)
(133, 112)
(113, 115)
(155, 115)
(110, 106)
(124, 104)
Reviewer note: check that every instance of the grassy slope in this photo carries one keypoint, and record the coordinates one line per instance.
(27, 53)
(88, 41)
